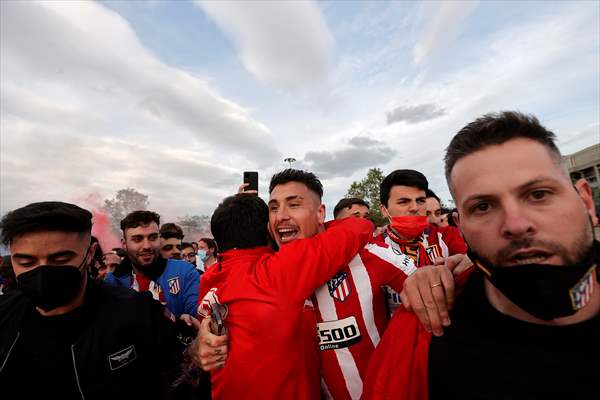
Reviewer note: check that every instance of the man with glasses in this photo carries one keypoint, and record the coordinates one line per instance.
(188, 254)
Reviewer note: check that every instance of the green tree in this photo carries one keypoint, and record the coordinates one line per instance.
(368, 190)
(125, 201)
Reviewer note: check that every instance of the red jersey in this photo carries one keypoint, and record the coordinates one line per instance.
(273, 353)
(435, 242)
(352, 316)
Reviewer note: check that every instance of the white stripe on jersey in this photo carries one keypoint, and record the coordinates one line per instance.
(362, 282)
(443, 247)
(344, 357)
(402, 261)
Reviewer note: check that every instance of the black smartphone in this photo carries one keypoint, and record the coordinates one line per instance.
(217, 325)
(251, 177)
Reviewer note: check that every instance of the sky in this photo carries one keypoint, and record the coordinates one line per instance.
(177, 98)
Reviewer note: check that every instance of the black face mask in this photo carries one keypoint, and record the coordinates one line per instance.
(545, 291)
(52, 286)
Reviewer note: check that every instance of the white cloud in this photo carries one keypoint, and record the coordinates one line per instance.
(75, 73)
(443, 22)
(285, 44)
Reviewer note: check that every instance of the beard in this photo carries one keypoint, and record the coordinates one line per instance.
(138, 259)
(576, 252)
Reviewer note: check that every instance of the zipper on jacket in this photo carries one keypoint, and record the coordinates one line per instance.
(75, 369)
(9, 351)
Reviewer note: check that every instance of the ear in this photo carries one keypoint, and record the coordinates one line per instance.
(384, 211)
(321, 212)
(584, 190)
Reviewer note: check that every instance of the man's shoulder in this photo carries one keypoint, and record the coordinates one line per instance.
(119, 294)
(376, 252)
(11, 301)
(180, 268)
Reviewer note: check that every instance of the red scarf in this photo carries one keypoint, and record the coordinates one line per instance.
(413, 248)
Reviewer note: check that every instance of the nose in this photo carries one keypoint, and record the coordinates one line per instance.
(146, 244)
(282, 214)
(516, 223)
(413, 208)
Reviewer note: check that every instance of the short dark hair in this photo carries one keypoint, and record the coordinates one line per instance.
(45, 216)
(185, 245)
(240, 222)
(138, 218)
(212, 244)
(171, 230)
(401, 177)
(347, 203)
(494, 129)
(296, 175)
(430, 194)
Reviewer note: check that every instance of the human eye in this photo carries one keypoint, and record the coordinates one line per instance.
(481, 207)
(153, 237)
(539, 194)
(273, 207)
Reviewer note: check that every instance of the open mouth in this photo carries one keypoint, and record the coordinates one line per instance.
(287, 234)
(530, 257)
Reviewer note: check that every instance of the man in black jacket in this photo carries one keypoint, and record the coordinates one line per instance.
(63, 335)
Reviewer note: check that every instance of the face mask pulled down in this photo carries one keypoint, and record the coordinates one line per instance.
(52, 286)
(545, 291)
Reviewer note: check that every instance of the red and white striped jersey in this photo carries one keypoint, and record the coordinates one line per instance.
(434, 242)
(352, 316)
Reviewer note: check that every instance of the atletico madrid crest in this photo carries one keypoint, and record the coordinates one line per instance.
(581, 293)
(339, 287)
(174, 285)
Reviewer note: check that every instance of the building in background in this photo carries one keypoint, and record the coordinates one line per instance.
(586, 164)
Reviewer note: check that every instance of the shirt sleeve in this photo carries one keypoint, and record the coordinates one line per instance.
(305, 264)
(387, 266)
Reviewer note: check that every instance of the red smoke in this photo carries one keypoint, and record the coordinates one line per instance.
(101, 227)
(103, 231)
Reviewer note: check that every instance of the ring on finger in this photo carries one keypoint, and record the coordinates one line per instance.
(436, 284)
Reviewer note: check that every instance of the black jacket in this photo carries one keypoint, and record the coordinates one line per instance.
(127, 349)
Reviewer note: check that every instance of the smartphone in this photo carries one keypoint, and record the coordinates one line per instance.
(217, 325)
(251, 177)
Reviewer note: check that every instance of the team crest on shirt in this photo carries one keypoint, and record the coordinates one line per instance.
(174, 285)
(339, 287)
(433, 252)
(581, 293)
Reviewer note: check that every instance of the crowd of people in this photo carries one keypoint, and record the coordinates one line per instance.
(496, 299)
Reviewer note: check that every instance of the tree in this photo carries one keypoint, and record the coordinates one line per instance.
(195, 226)
(126, 201)
(368, 189)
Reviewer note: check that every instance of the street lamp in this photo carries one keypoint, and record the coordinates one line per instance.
(290, 160)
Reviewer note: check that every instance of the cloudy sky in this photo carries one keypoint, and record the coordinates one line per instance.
(177, 98)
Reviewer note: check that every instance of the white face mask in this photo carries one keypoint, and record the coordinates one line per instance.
(202, 255)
